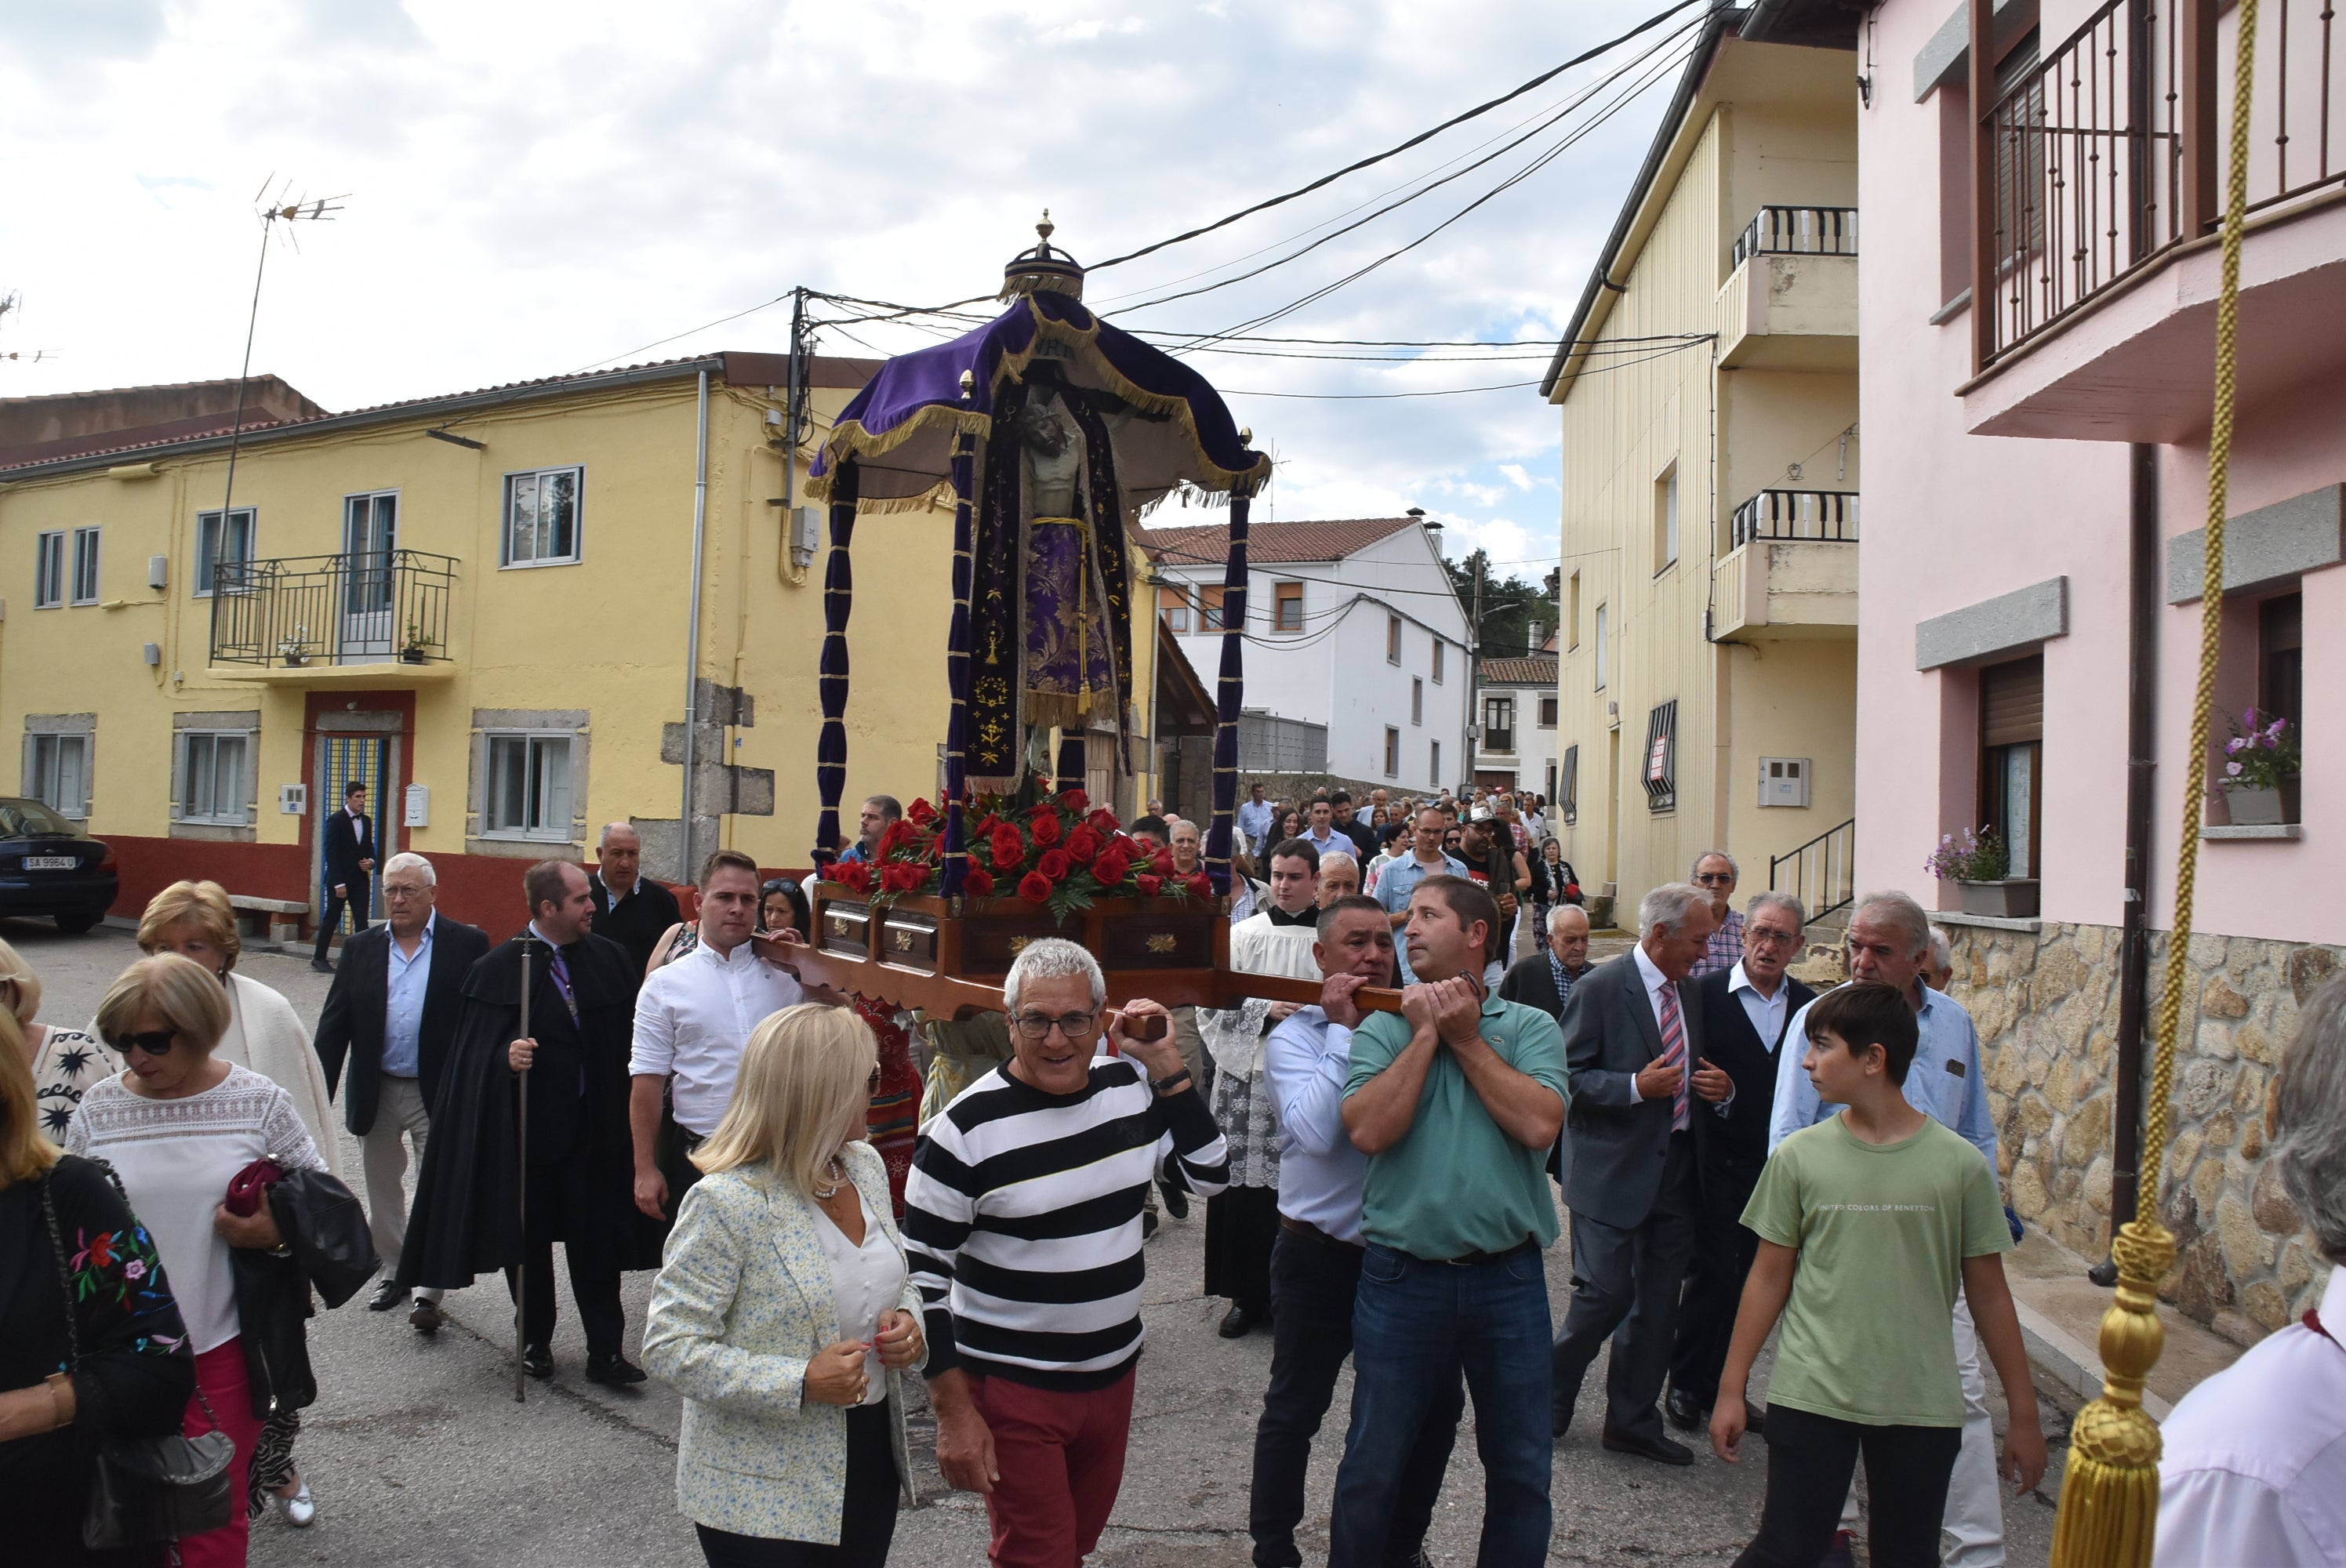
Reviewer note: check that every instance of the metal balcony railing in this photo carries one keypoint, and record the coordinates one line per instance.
(1820, 874)
(1826, 514)
(1799, 231)
(374, 607)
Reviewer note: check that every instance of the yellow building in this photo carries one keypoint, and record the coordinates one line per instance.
(483, 605)
(1707, 386)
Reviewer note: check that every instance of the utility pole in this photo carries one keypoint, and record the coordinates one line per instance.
(1474, 678)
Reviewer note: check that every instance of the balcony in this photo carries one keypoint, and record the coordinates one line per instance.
(2098, 265)
(1792, 572)
(1791, 301)
(373, 619)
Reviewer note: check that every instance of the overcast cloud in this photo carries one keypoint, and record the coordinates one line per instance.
(534, 188)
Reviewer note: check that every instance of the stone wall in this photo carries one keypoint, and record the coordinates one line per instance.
(2046, 1004)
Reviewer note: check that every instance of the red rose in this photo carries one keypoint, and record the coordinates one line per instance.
(1101, 822)
(1110, 869)
(978, 884)
(1161, 862)
(1150, 886)
(1009, 848)
(854, 875)
(1073, 799)
(1199, 885)
(1043, 809)
(1084, 845)
(921, 814)
(1056, 864)
(986, 827)
(1034, 888)
(1047, 831)
(898, 834)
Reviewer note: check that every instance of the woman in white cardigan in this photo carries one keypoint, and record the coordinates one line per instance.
(784, 1314)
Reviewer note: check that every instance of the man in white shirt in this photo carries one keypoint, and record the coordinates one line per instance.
(1255, 819)
(693, 1017)
(2255, 1463)
(1396, 882)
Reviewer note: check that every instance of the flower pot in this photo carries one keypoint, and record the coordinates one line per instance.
(295, 661)
(411, 656)
(2254, 808)
(2014, 897)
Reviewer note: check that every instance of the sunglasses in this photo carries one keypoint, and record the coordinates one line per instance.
(154, 1042)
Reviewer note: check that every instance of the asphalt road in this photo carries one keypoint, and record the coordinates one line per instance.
(419, 1456)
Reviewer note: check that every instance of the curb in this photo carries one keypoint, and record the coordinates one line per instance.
(2059, 1358)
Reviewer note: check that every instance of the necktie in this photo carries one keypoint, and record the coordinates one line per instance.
(1674, 1053)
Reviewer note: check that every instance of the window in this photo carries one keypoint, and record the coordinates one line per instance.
(529, 794)
(1173, 604)
(1567, 789)
(542, 517)
(1572, 613)
(1210, 609)
(2012, 757)
(1547, 713)
(84, 565)
(1666, 520)
(221, 544)
(1416, 701)
(1435, 766)
(49, 573)
(212, 775)
(1392, 640)
(1289, 602)
(57, 773)
(1661, 777)
(1600, 648)
(2281, 667)
(1499, 724)
(1438, 661)
(1392, 752)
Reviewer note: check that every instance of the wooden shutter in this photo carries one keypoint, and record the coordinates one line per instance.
(2012, 702)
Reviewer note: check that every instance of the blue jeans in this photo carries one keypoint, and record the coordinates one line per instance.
(1415, 1326)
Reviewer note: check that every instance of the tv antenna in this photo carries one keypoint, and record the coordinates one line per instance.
(10, 300)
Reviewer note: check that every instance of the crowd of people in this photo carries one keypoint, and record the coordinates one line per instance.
(831, 1206)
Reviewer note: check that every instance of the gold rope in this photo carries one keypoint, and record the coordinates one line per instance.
(2109, 1493)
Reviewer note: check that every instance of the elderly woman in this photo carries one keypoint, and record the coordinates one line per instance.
(783, 1313)
(177, 1125)
(65, 1062)
(2254, 1469)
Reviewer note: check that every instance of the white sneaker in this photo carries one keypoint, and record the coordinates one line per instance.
(300, 1509)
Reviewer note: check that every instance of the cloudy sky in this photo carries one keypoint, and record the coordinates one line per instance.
(533, 188)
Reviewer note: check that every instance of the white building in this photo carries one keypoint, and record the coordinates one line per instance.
(1518, 747)
(1352, 625)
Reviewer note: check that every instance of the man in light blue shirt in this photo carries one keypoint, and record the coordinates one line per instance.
(403, 1017)
(1398, 880)
(1255, 817)
(1315, 1266)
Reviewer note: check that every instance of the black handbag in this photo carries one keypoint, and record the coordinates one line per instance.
(146, 1490)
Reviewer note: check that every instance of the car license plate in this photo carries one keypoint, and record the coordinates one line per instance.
(50, 862)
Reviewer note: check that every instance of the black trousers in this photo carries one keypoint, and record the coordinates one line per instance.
(1627, 1280)
(1810, 1459)
(356, 899)
(1313, 1281)
(597, 1291)
(1241, 1227)
(1723, 1252)
(867, 1521)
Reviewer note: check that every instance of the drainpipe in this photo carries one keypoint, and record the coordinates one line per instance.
(692, 631)
(2133, 939)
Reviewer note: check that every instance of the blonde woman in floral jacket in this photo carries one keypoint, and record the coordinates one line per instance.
(784, 1314)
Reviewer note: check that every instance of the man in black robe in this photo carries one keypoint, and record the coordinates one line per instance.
(465, 1219)
(630, 908)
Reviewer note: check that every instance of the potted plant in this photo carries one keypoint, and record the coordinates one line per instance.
(294, 647)
(2260, 765)
(412, 643)
(1977, 863)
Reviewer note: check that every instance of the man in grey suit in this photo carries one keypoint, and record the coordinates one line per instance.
(1629, 1172)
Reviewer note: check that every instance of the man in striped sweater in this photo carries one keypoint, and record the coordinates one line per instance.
(1022, 1226)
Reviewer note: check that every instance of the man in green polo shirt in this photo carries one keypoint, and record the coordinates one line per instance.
(1456, 1100)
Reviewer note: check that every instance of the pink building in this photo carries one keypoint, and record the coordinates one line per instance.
(2028, 596)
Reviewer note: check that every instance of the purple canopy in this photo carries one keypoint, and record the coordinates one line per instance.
(901, 428)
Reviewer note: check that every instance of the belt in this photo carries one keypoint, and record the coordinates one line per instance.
(1310, 1232)
(1475, 1259)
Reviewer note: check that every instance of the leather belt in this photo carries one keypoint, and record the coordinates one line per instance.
(1475, 1259)
(1310, 1232)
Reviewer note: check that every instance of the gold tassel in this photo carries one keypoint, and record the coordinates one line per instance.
(2109, 1493)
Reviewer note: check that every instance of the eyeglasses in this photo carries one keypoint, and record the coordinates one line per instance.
(1039, 1026)
(1769, 935)
(872, 1085)
(1717, 879)
(154, 1042)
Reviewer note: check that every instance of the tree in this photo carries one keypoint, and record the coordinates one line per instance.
(1509, 606)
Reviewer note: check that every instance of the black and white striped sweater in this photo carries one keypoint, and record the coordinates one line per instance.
(1022, 1220)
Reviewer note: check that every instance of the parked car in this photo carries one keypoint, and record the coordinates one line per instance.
(49, 866)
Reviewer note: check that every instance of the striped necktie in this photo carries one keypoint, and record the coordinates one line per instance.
(1674, 1052)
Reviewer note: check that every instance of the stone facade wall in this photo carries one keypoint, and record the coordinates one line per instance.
(2046, 1005)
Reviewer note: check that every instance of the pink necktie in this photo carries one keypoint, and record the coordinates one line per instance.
(1674, 1052)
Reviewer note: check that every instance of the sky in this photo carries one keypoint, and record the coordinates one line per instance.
(533, 188)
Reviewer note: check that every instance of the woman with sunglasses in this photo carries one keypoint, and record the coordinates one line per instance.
(784, 1314)
(65, 1062)
(178, 1124)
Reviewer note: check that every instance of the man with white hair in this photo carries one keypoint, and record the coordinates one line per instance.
(1941, 973)
(1021, 1229)
(389, 1012)
(631, 909)
(2255, 1463)
(1629, 1168)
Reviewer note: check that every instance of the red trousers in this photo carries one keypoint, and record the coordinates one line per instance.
(1062, 1459)
(219, 1375)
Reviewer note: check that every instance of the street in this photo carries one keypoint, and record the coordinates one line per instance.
(418, 1455)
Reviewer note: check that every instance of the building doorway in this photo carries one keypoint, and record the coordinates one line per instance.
(344, 760)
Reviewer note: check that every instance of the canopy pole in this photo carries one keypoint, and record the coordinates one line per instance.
(955, 872)
(838, 599)
(1230, 691)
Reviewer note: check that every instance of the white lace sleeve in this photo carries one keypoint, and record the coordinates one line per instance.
(1233, 1035)
(288, 1142)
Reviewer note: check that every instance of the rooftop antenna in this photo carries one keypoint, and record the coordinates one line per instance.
(276, 211)
(10, 300)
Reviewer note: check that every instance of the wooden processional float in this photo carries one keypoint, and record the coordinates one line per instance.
(1049, 431)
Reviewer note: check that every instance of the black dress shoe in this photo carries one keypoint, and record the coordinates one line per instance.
(613, 1369)
(1177, 1199)
(1559, 1420)
(1237, 1322)
(427, 1319)
(1148, 1224)
(1661, 1450)
(537, 1360)
(321, 967)
(1683, 1411)
(385, 1296)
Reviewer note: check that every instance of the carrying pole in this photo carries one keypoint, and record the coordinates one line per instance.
(521, 1185)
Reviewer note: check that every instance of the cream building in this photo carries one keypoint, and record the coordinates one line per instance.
(1708, 666)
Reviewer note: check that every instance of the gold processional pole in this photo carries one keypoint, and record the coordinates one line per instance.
(2109, 1493)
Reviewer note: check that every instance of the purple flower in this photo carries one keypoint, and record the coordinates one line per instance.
(2273, 731)
(2232, 747)
(2233, 768)
(134, 1269)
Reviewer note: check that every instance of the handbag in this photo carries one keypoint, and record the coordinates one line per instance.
(150, 1489)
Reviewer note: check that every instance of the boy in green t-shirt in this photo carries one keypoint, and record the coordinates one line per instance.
(1885, 1213)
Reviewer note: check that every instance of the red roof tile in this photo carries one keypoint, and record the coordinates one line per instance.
(1519, 671)
(1210, 543)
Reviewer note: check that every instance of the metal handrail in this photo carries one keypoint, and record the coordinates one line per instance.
(366, 607)
(1799, 231)
(1815, 514)
(1823, 870)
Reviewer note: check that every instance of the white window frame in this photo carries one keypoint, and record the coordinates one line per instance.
(43, 783)
(556, 832)
(232, 813)
(74, 586)
(208, 544)
(1548, 703)
(506, 559)
(1666, 522)
(49, 570)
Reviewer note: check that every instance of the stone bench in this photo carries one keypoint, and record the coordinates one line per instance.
(278, 919)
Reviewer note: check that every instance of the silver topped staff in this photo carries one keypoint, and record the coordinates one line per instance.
(521, 1186)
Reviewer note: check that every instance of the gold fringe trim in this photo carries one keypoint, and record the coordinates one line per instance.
(850, 440)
